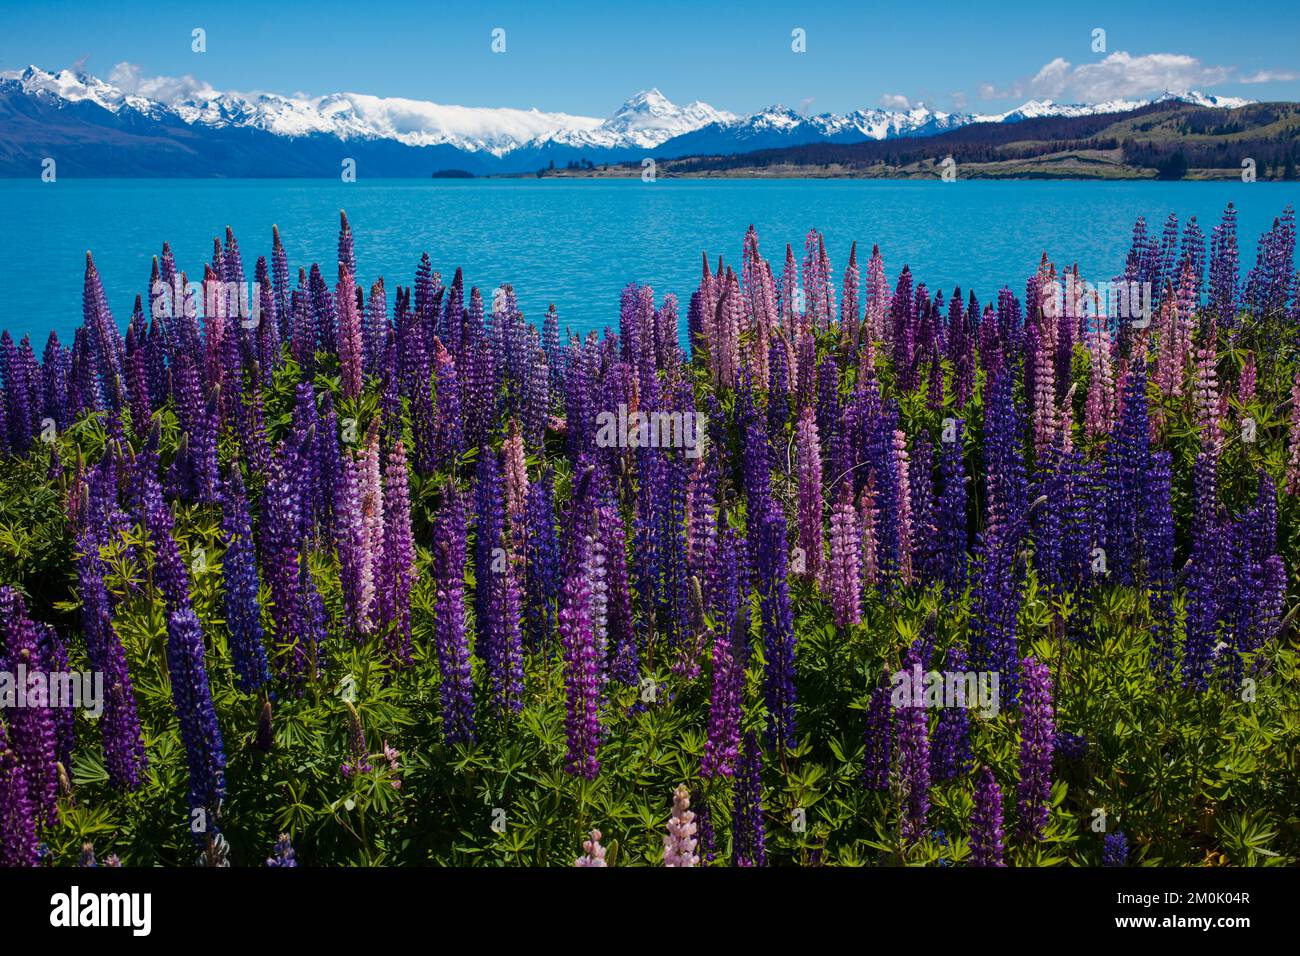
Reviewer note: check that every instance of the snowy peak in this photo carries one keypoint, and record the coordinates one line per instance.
(644, 121)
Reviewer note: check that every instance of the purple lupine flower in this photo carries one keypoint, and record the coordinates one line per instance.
(1069, 746)
(621, 651)
(398, 560)
(54, 660)
(950, 518)
(722, 747)
(578, 639)
(124, 753)
(748, 834)
(1037, 735)
(1157, 535)
(282, 854)
(496, 597)
(347, 258)
(280, 535)
(950, 753)
(32, 731)
(1204, 586)
(103, 345)
(239, 571)
(200, 732)
(351, 344)
(451, 641)
(18, 840)
(778, 624)
(542, 567)
(680, 843)
(879, 739)
(1114, 851)
(986, 847)
(912, 777)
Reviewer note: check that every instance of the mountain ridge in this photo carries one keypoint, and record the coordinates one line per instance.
(44, 112)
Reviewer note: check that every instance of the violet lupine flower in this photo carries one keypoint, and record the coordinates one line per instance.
(621, 651)
(103, 345)
(54, 660)
(986, 837)
(1158, 549)
(282, 854)
(680, 843)
(748, 834)
(722, 747)
(995, 607)
(542, 568)
(18, 841)
(951, 535)
(32, 730)
(1114, 851)
(809, 457)
(778, 624)
(351, 344)
(281, 534)
(843, 569)
(496, 598)
(397, 564)
(1005, 476)
(347, 258)
(124, 753)
(1037, 737)
(578, 640)
(950, 753)
(451, 641)
(200, 732)
(593, 854)
(1204, 586)
(912, 776)
(704, 819)
(1126, 465)
(879, 739)
(239, 571)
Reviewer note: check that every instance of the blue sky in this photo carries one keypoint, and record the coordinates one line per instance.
(588, 57)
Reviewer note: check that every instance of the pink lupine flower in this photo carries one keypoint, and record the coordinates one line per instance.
(593, 854)
(1293, 458)
(1205, 394)
(867, 515)
(516, 479)
(843, 570)
(904, 506)
(351, 348)
(679, 844)
(1099, 409)
(809, 464)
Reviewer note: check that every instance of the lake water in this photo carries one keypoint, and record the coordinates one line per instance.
(576, 243)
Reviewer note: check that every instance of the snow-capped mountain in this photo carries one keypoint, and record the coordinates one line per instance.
(646, 120)
(295, 135)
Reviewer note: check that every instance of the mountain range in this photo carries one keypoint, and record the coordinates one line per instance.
(93, 128)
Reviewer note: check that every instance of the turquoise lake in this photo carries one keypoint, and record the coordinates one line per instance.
(576, 243)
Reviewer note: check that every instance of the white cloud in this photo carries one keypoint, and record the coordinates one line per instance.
(1270, 76)
(1122, 75)
(130, 79)
(895, 101)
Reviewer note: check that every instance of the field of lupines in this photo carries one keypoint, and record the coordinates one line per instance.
(390, 576)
